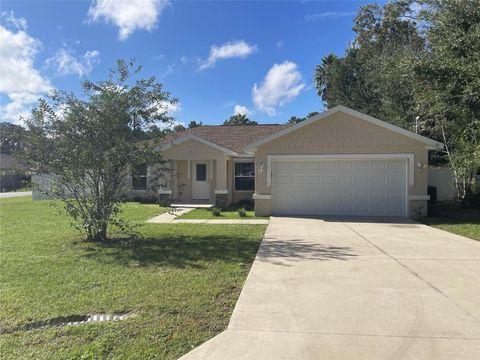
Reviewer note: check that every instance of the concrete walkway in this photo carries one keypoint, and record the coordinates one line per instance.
(12, 194)
(168, 218)
(355, 289)
(222, 222)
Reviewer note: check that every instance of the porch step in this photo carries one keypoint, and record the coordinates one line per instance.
(196, 206)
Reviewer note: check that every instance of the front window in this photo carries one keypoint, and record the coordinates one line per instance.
(139, 177)
(244, 176)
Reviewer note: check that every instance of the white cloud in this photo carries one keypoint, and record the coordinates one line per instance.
(282, 83)
(128, 15)
(20, 106)
(329, 15)
(20, 81)
(235, 49)
(171, 108)
(67, 64)
(169, 125)
(17, 23)
(242, 110)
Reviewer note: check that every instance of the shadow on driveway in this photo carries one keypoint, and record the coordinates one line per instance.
(273, 251)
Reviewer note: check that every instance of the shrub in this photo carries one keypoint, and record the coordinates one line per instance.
(216, 211)
(246, 204)
(472, 198)
(242, 212)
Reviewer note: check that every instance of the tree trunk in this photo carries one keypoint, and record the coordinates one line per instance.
(452, 165)
(99, 234)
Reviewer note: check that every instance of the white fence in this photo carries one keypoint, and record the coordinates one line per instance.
(442, 178)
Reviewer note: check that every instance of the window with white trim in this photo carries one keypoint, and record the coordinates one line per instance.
(244, 176)
(140, 177)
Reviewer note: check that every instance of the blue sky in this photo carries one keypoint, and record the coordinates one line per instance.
(216, 57)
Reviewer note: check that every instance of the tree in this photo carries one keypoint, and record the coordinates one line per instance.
(448, 94)
(179, 127)
(90, 144)
(295, 120)
(239, 119)
(12, 138)
(375, 75)
(194, 124)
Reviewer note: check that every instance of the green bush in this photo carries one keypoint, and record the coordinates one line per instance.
(216, 211)
(242, 212)
(472, 198)
(246, 204)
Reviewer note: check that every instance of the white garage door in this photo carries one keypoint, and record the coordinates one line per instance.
(340, 187)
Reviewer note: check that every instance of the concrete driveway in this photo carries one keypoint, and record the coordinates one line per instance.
(346, 289)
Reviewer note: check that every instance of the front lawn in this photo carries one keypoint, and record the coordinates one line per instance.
(231, 212)
(451, 217)
(180, 282)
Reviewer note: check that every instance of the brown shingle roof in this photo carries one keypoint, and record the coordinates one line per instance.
(231, 137)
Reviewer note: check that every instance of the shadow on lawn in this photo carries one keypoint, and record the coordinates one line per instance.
(451, 213)
(178, 251)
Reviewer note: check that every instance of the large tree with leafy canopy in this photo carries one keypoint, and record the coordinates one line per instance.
(374, 76)
(90, 143)
(448, 87)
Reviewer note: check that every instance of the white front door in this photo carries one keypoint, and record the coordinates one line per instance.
(200, 184)
(340, 187)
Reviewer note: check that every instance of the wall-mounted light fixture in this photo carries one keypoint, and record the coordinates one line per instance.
(421, 165)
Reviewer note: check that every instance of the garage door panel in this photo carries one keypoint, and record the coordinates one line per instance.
(396, 164)
(361, 165)
(329, 165)
(378, 179)
(378, 164)
(361, 179)
(329, 179)
(345, 179)
(339, 187)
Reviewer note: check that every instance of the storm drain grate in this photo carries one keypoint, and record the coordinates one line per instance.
(66, 321)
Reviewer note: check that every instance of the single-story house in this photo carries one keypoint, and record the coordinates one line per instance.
(339, 162)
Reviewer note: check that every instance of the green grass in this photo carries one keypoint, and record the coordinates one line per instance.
(181, 281)
(22, 189)
(451, 217)
(230, 212)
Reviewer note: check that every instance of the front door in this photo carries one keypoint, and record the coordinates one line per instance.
(200, 184)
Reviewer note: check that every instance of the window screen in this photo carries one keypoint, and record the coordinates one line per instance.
(139, 177)
(244, 176)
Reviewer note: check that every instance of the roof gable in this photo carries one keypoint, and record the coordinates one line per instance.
(187, 137)
(229, 139)
(428, 142)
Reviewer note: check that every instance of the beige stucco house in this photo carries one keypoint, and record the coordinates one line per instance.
(340, 162)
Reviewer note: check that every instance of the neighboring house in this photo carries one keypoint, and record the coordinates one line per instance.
(340, 162)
